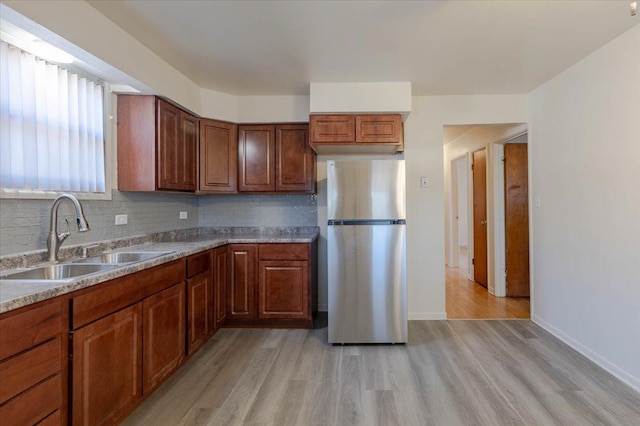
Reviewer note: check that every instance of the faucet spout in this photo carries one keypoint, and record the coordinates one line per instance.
(55, 240)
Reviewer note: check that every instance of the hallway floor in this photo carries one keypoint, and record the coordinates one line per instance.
(466, 299)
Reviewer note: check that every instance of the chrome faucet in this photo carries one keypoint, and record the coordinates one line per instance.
(55, 240)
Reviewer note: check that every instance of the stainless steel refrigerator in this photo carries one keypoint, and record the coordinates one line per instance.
(366, 249)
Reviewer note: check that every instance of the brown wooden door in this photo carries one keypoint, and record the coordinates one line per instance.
(332, 128)
(256, 158)
(241, 302)
(283, 289)
(220, 266)
(295, 164)
(107, 367)
(188, 158)
(218, 157)
(169, 147)
(199, 310)
(516, 211)
(480, 217)
(164, 335)
(379, 128)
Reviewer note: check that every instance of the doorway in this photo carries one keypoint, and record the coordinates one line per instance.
(478, 290)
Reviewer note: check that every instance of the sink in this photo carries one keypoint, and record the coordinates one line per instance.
(57, 272)
(123, 257)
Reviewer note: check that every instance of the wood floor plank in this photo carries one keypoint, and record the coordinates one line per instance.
(272, 392)
(466, 299)
(508, 372)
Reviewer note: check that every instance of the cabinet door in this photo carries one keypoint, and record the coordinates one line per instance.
(164, 335)
(220, 267)
(283, 289)
(332, 128)
(107, 367)
(169, 149)
(199, 310)
(241, 285)
(218, 156)
(188, 145)
(295, 164)
(379, 128)
(256, 157)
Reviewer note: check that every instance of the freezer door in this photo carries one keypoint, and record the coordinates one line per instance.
(367, 284)
(366, 189)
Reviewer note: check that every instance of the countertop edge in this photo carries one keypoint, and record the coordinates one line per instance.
(180, 249)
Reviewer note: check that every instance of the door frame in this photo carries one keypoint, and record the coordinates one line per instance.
(455, 209)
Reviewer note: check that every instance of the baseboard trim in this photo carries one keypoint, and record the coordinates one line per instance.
(633, 382)
(421, 316)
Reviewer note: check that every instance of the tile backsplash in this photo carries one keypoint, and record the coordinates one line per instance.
(24, 224)
(258, 210)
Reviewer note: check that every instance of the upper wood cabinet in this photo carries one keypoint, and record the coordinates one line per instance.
(295, 160)
(157, 145)
(256, 158)
(218, 157)
(332, 128)
(356, 134)
(275, 158)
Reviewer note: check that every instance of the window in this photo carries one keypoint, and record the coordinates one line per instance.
(51, 128)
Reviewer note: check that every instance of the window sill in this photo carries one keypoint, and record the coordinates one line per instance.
(18, 194)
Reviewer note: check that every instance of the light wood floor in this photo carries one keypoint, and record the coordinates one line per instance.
(450, 373)
(466, 299)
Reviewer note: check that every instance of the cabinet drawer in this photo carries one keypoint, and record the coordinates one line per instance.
(19, 373)
(121, 292)
(35, 404)
(283, 251)
(29, 328)
(198, 263)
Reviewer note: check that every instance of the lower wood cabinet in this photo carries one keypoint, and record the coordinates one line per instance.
(199, 301)
(163, 335)
(128, 335)
(32, 369)
(107, 367)
(220, 278)
(241, 288)
(283, 288)
(270, 285)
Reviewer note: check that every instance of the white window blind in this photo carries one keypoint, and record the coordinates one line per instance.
(52, 126)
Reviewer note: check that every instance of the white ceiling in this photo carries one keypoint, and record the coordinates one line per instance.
(442, 47)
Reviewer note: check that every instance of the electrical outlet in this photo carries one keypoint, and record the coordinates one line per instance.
(184, 215)
(122, 219)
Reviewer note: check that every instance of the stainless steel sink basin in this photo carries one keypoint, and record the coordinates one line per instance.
(57, 272)
(123, 257)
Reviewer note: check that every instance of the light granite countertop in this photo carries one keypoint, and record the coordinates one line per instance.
(16, 294)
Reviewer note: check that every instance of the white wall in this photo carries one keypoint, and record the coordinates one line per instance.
(360, 97)
(83, 26)
(584, 144)
(273, 109)
(218, 105)
(424, 154)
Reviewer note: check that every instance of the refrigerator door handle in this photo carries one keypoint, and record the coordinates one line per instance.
(343, 222)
